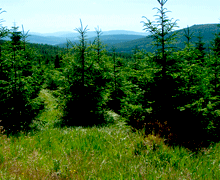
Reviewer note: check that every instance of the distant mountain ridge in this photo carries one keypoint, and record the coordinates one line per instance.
(60, 38)
(67, 34)
(108, 40)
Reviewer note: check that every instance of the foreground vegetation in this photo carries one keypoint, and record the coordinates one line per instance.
(113, 151)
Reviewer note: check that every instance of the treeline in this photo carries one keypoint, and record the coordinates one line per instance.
(171, 92)
(20, 81)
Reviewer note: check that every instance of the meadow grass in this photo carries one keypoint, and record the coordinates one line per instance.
(107, 152)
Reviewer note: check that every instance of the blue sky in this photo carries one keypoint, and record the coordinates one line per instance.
(45, 16)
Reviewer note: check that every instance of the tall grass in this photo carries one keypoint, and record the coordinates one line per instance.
(110, 152)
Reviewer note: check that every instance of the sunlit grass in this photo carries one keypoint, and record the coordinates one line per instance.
(111, 152)
(105, 153)
(52, 112)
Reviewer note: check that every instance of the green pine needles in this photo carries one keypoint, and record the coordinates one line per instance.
(161, 29)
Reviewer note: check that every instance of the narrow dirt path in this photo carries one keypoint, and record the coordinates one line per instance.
(51, 113)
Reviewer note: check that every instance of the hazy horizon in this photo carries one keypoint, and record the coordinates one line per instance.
(88, 31)
(52, 16)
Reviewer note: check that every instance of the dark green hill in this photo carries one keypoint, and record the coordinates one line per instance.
(207, 32)
(118, 38)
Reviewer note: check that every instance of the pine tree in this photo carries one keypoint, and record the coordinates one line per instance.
(85, 84)
(216, 44)
(216, 62)
(200, 49)
(24, 36)
(98, 43)
(167, 90)
(3, 33)
(81, 47)
(18, 89)
(161, 32)
(188, 35)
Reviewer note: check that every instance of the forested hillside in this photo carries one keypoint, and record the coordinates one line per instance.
(171, 91)
(205, 31)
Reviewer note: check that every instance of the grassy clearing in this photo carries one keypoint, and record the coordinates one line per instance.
(51, 114)
(113, 152)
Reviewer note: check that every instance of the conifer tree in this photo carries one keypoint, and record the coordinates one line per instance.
(135, 52)
(98, 43)
(200, 48)
(18, 89)
(3, 33)
(24, 36)
(16, 45)
(161, 32)
(82, 50)
(216, 44)
(114, 62)
(188, 35)
(216, 62)
(167, 91)
(85, 84)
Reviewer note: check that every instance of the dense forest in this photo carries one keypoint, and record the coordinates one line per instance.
(171, 91)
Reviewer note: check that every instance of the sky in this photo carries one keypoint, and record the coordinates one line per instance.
(48, 16)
